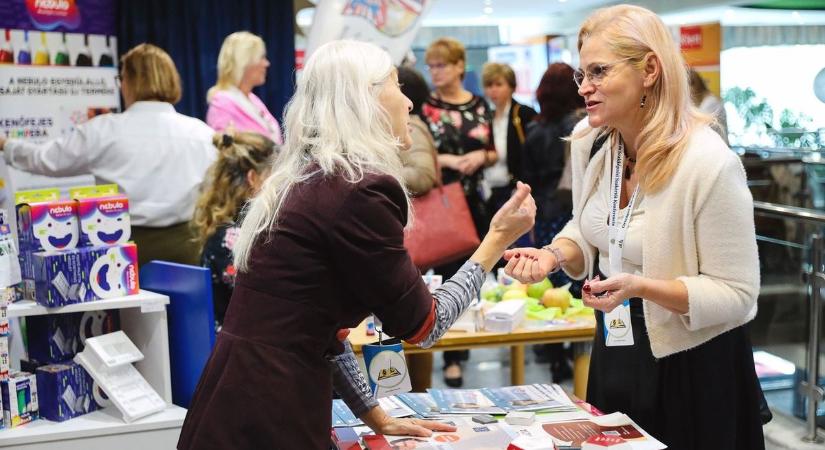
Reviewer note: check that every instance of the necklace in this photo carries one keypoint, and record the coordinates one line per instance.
(628, 170)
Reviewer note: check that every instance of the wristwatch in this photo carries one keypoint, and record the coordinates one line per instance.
(560, 259)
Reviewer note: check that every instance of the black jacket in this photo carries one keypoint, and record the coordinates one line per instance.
(520, 118)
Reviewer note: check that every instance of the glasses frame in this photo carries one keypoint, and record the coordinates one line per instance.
(580, 75)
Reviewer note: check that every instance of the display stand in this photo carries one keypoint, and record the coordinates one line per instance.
(143, 319)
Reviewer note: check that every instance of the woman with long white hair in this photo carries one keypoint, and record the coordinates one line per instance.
(663, 215)
(320, 248)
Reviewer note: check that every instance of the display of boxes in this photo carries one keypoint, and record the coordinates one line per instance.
(20, 402)
(85, 274)
(5, 362)
(58, 337)
(65, 391)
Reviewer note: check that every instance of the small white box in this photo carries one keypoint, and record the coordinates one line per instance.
(520, 418)
(505, 316)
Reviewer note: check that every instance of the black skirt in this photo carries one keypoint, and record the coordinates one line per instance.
(707, 397)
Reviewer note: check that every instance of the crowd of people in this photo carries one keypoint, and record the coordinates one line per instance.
(294, 222)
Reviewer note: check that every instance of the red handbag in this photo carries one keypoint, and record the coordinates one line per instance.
(443, 230)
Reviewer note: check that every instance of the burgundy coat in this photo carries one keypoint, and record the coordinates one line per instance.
(336, 255)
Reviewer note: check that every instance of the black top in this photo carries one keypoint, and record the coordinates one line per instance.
(336, 255)
(520, 119)
(217, 257)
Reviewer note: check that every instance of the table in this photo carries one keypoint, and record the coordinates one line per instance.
(461, 340)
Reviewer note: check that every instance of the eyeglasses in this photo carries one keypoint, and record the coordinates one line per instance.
(595, 74)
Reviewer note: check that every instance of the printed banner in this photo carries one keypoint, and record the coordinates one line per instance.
(701, 46)
(390, 24)
(57, 71)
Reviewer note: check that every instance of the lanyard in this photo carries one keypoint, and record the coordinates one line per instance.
(618, 233)
(618, 329)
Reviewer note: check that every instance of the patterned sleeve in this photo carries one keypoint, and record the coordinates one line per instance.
(349, 382)
(453, 298)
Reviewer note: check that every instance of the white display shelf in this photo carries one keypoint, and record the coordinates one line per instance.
(143, 299)
(94, 425)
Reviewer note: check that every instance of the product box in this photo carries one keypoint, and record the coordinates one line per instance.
(85, 274)
(58, 337)
(5, 360)
(65, 390)
(44, 226)
(4, 320)
(20, 403)
(104, 221)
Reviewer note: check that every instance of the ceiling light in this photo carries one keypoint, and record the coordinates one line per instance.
(488, 10)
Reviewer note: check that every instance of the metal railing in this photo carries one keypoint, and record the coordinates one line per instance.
(816, 281)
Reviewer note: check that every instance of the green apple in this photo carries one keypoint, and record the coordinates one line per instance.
(536, 290)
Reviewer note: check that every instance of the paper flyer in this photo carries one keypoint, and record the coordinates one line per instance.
(463, 401)
(524, 398)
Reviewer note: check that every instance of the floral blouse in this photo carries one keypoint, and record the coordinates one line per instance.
(217, 256)
(459, 129)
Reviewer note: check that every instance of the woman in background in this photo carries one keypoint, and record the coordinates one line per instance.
(419, 161)
(157, 156)
(460, 123)
(244, 160)
(242, 66)
(708, 103)
(510, 123)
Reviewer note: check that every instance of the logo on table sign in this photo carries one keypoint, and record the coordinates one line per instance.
(390, 17)
(389, 372)
(50, 14)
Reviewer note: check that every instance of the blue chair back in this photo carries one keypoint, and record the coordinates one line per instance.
(191, 321)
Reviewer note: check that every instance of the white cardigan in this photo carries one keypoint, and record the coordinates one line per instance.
(699, 229)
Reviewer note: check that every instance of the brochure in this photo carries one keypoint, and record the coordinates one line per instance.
(574, 433)
(525, 398)
(464, 401)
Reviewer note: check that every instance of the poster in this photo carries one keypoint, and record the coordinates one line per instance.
(528, 62)
(701, 46)
(390, 24)
(57, 71)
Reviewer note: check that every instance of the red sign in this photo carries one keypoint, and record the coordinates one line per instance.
(691, 37)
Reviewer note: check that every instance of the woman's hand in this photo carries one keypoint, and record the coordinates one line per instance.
(529, 265)
(469, 163)
(449, 161)
(606, 295)
(517, 216)
(381, 423)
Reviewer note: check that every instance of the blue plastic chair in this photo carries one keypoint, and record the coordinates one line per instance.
(191, 320)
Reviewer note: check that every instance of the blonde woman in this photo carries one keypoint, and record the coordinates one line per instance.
(244, 160)
(662, 211)
(321, 247)
(157, 156)
(242, 66)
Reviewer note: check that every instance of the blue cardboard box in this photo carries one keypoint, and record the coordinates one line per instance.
(85, 274)
(59, 337)
(65, 390)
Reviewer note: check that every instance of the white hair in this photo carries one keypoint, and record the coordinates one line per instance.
(334, 121)
(238, 50)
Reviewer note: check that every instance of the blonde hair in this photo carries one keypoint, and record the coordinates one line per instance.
(634, 32)
(493, 70)
(151, 74)
(335, 122)
(446, 49)
(227, 186)
(238, 50)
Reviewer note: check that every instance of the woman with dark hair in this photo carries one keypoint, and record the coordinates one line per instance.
(543, 166)
(545, 151)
